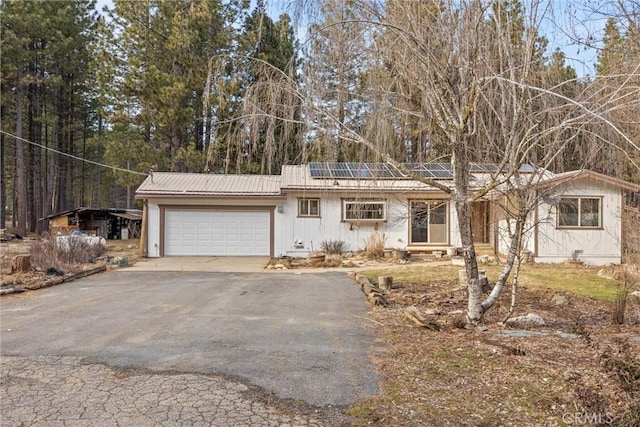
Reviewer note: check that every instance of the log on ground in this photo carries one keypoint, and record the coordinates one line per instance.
(414, 314)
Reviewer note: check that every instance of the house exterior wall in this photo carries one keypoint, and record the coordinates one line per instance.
(298, 236)
(599, 246)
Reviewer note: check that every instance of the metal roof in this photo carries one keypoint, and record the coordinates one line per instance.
(565, 177)
(200, 184)
(296, 177)
(301, 178)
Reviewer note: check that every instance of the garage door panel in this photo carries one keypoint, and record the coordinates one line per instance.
(191, 232)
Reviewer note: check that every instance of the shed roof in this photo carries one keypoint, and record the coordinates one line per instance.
(200, 184)
(132, 214)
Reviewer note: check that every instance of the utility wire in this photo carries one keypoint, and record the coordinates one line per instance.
(72, 156)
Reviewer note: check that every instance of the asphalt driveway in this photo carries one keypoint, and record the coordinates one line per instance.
(299, 336)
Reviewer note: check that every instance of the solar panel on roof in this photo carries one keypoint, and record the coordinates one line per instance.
(431, 170)
(319, 170)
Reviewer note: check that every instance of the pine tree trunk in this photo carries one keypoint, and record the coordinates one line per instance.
(3, 185)
(20, 176)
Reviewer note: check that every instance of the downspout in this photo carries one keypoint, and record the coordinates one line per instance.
(143, 231)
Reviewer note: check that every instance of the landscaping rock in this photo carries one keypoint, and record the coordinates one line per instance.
(636, 294)
(457, 260)
(347, 263)
(527, 321)
(560, 300)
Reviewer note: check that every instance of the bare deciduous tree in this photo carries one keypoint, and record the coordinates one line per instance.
(472, 76)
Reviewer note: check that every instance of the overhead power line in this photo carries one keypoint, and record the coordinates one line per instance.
(72, 156)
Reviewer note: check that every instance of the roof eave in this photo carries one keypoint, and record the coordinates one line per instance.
(182, 195)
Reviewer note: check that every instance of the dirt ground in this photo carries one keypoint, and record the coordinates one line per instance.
(577, 369)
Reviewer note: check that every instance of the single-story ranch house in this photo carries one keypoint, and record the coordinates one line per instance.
(293, 213)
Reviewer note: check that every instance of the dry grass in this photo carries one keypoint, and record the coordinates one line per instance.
(575, 280)
(47, 253)
(9, 250)
(374, 245)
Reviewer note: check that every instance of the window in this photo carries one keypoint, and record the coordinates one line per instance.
(429, 222)
(363, 210)
(581, 212)
(309, 207)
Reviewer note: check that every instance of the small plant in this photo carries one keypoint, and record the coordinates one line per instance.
(580, 328)
(333, 247)
(459, 321)
(374, 245)
(620, 304)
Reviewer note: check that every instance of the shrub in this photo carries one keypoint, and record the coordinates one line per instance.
(47, 253)
(332, 247)
(620, 303)
(374, 245)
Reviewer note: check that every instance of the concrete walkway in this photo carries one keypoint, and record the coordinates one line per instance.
(228, 264)
(249, 264)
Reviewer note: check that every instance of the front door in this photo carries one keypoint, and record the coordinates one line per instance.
(480, 222)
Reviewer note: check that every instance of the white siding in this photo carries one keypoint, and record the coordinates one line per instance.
(312, 231)
(599, 246)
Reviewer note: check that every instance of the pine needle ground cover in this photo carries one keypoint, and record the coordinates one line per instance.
(557, 374)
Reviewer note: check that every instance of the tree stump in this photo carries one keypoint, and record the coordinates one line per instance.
(385, 282)
(21, 264)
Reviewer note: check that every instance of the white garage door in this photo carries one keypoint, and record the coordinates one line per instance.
(217, 233)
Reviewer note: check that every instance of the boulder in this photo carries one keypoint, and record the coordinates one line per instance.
(527, 321)
(560, 300)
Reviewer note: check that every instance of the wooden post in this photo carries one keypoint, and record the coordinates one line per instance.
(143, 230)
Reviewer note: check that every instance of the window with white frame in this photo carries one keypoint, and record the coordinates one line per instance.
(364, 210)
(309, 207)
(580, 212)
